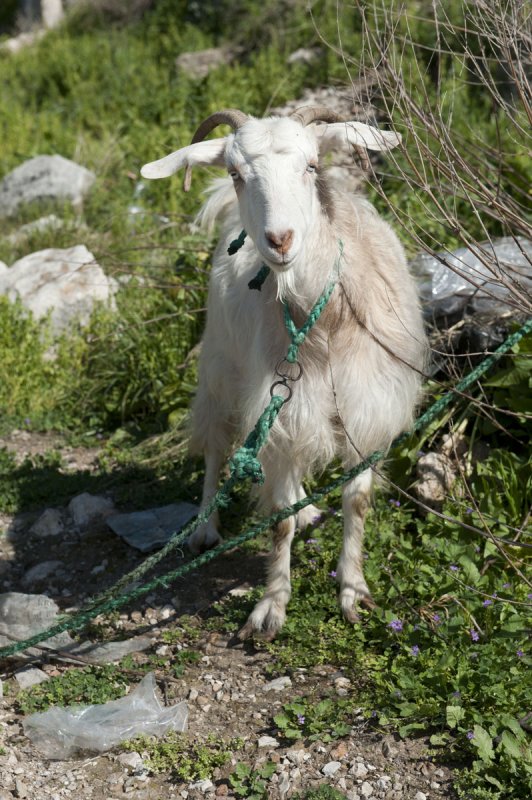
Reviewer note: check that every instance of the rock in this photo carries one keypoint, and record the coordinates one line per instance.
(50, 523)
(3, 267)
(388, 750)
(366, 790)
(420, 796)
(198, 64)
(44, 178)
(21, 790)
(436, 476)
(340, 751)
(383, 782)
(305, 55)
(277, 685)
(65, 283)
(359, 770)
(202, 786)
(111, 652)
(24, 615)
(86, 507)
(30, 676)
(284, 784)
(331, 768)
(132, 760)
(267, 741)
(40, 572)
(150, 529)
(37, 226)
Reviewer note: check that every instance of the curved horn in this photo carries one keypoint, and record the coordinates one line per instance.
(228, 116)
(308, 114)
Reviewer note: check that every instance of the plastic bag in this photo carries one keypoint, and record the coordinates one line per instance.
(60, 732)
(445, 292)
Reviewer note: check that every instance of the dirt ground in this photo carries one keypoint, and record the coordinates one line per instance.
(229, 690)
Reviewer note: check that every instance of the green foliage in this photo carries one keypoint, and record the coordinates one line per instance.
(305, 718)
(323, 792)
(251, 783)
(185, 759)
(75, 687)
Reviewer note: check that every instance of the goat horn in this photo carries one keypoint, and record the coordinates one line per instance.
(228, 116)
(308, 114)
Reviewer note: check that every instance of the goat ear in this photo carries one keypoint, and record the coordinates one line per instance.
(357, 134)
(208, 153)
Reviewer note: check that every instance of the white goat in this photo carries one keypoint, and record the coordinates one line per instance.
(358, 389)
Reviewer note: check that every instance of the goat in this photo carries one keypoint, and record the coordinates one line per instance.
(361, 362)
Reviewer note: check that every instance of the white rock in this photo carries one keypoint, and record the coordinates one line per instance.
(85, 507)
(366, 790)
(132, 760)
(420, 796)
(23, 615)
(30, 676)
(305, 55)
(202, 786)
(44, 177)
(66, 283)
(268, 741)
(193, 694)
(284, 784)
(359, 771)
(277, 685)
(50, 523)
(3, 267)
(436, 476)
(198, 64)
(331, 768)
(383, 782)
(40, 572)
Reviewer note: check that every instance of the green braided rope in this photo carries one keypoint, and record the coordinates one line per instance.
(106, 602)
(237, 243)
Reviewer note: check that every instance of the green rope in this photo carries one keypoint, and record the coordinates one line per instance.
(237, 243)
(107, 602)
(260, 277)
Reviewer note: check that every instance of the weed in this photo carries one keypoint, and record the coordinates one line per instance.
(251, 783)
(186, 760)
(306, 718)
(75, 686)
(324, 792)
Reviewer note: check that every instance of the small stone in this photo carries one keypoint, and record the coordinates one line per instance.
(202, 786)
(132, 760)
(30, 676)
(193, 694)
(277, 685)
(340, 751)
(388, 750)
(267, 741)
(40, 572)
(331, 768)
(85, 507)
(366, 790)
(435, 785)
(284, 784)
(222, 790)
(420, 796)
(21, 790)
(383, 782)
(50, 523)
(358, 770)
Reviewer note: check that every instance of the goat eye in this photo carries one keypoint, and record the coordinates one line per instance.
(234, 174)
(312, 168)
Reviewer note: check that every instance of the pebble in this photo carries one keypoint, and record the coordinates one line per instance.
(366, 790)
(358, 770)
(267, 741)
(331, 768)
(435, 785)
(133, 760)
(30, 676)
(420, 796)
(278, 684)
(202, 786)
(193, 694)
(339, 751)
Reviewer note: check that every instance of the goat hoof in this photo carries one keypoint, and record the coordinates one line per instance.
(245, 632)
(351, 616)
(203, 539)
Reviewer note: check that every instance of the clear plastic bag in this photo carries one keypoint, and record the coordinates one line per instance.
(61, 732)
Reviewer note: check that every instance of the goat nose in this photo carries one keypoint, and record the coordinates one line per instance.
(280, 241)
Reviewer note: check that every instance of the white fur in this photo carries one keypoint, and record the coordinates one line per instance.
(357, 391)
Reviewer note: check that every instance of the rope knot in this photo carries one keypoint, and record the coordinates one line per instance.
(244, 464)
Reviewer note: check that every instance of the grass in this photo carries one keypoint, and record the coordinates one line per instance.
(447, 653)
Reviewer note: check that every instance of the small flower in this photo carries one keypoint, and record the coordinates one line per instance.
(457, 694)
(332, 573)
(454, 568)
(487, 603)
(519, 654)
(477, 549)
(373, 713)
(529, 596)
(436, 618)
(300, 719)
(507, 586)
(27, 421)
(420, 453)
(474, 635)
(396, 625)
(415, 650)
(469, 510)
(311, 541)
(470, 735)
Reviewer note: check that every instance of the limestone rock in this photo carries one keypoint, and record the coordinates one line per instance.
(198, 64)
(65, 283)
(436, 476)
(44, 178)
(23, 615)
(50, 523)
(30, 676)
(86, 507)
(40, 573)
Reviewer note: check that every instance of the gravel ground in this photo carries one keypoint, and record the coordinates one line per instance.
(229, 690)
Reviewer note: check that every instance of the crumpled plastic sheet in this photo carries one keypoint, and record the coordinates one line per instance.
(444, 292)
(59, 733)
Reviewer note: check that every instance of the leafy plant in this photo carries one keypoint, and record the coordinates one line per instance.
(251, 783)
(75, 686)
(306, 718)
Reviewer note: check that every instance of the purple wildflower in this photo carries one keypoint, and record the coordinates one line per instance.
(487, 603)
(332, 573)
(519, 654)
(414, 650)
(420, 453)
(311, 541)
(507, 586)
(529, 596)
(27, 421)
(300, 719)
(457, 694)
(474, 635)
(477, 549)
(470, 735)
(396, 625)
(469, 510)
(454, 568)
(436, 618)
